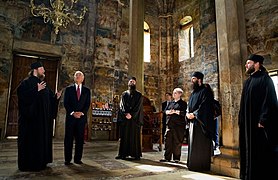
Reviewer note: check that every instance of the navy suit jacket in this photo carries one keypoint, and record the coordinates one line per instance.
(73, 105)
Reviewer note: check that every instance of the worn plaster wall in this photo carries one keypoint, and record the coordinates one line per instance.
(74, 46)
(6, 42)
(100, 46)
(261, 19)
(112, 51)
(151, 69)
(205, 46)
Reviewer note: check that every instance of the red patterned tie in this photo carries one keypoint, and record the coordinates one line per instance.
(78, 92)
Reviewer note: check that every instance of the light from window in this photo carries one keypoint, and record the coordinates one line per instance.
(147, 43)
(191, 42)
(275, 82)
(186, 39)
(186, 43)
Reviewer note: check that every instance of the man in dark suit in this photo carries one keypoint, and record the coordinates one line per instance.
(77, 102)
(168, 99)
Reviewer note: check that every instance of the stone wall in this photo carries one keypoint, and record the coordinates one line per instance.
(21, 32)
(100, 46)
(165, 72)
(107, 38)
(6, 42)
(262, 30)
(8, 21)
(151, 69)
(205, 45)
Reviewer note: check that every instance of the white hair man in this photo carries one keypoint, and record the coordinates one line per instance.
(175, 127)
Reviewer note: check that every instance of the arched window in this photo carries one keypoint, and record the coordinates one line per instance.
(147, 43)
(186, 39)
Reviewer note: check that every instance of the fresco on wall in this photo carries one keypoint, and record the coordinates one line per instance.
(36, 29)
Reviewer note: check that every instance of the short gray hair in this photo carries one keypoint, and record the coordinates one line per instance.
(78, 72)
(178, 90)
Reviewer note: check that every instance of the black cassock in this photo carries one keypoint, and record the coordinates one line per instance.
(130, 138)
(201, 129)
(258, 105)
(37, 109)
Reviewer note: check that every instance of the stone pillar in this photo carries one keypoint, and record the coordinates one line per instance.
(171, 72)
(168, 73)
(232, 50)
(136, 43)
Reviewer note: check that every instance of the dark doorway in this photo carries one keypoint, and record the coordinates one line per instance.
(21, 67)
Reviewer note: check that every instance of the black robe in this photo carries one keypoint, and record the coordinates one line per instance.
(201, 129)
(37, 109)
(130, 129)
(258, 105)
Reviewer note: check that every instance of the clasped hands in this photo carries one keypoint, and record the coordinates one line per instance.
(128, 116)
(172, 111)
(190, 115)
(78, 115)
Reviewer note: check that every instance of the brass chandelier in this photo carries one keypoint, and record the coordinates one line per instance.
(60, 14)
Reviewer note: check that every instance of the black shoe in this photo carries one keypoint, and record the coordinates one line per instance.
(164, 160)
(137, 158)
(78, 162)
(120, 157)
(67, 163)
(177, 161)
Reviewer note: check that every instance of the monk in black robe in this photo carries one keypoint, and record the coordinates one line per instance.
(130, 119)
(257, 123)
(37, 109)
(201, 125)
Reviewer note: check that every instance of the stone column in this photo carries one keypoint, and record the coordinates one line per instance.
(171, 72)
(166, 54)
(232, 50)
(136, 43)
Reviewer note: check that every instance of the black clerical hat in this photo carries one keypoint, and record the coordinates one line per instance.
(36, 65)
(198, 75)
(256, 58)
(133, 78)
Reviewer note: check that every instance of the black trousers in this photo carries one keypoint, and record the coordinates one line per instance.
(74, 131)
(174, 137)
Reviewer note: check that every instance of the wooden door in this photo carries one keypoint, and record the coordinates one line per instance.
(21, 67)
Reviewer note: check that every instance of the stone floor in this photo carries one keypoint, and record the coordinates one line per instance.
(100, 163)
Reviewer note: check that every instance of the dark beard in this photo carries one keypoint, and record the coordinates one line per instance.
(132, 88)
(195, 85)
(250, 70)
